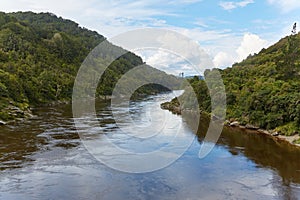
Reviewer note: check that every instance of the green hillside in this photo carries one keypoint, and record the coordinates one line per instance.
(264, 89)
(40, 55)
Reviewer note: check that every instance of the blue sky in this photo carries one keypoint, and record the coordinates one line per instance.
(227, 30)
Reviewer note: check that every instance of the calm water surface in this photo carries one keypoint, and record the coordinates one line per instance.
(44, 158)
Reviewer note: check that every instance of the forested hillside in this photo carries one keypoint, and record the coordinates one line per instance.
(264, 89)
(40, 55)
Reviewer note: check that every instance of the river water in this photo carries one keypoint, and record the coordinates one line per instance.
(44, 158)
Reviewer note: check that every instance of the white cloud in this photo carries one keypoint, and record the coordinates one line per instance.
(285, 5)
(229, 49)
(168, 62)
(169, 50)
(219, 45)
(160, 58)
(250, 44)
(201, 23)
(223, 47)
(222, 60)
(230, 5)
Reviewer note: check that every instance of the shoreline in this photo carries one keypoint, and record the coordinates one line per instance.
(26, 114)
(175, 109)
(282, 138)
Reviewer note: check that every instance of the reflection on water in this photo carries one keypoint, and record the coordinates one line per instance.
(264, 150)
(53, 127)
(44, 159)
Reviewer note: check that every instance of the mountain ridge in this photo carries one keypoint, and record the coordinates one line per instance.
(40, 55)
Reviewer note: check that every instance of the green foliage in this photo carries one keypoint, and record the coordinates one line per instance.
(40, 55)
(264, 89)
(296, 141)
(288, 129)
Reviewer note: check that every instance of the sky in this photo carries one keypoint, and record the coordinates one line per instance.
(227, 30)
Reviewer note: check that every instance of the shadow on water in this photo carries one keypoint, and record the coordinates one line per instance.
(51, 128)
(264, 150)
(16, 147)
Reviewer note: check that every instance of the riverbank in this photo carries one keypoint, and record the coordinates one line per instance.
(271, 133)
(294, 140)
(13, 111)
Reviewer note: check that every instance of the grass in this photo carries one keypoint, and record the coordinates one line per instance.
(297, 141)
(288, 129)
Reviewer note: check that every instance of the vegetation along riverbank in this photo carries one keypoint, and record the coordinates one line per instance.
(40, 55)
(262, 91)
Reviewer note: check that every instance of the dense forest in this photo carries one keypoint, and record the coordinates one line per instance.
(263, 90)
(40, 55)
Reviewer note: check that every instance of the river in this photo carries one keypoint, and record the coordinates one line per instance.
(44, 158)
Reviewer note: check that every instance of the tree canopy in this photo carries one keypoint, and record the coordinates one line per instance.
(40, 55)
(264, 89)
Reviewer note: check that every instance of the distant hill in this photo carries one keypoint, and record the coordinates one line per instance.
(264, 89)
(194, 76)
(40, 55)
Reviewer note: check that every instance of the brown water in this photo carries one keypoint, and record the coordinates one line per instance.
(44, 158)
